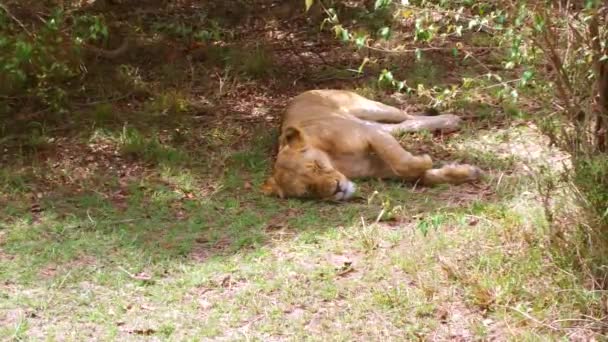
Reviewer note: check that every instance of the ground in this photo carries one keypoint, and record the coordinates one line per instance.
(146, 222)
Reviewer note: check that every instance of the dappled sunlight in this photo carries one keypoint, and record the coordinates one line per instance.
(524, 145)
(130, 183)
(314, 265)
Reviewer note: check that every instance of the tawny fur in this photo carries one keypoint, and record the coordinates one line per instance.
(330, 137)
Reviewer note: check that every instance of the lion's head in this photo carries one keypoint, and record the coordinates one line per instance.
(301, 170)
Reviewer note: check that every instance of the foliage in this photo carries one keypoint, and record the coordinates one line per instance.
(39, 59)
(578, 83)
(554, 62)
(591, 177)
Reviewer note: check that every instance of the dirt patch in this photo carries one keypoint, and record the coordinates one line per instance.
(456, 321)
(52, 270)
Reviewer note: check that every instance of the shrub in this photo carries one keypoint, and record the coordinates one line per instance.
(554, 58)
(41, 55)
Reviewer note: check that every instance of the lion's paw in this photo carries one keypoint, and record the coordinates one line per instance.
(462, 173)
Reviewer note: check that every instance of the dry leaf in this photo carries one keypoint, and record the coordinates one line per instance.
(143, 332)
(226, 281)
(345, 269)
(142, 276)
(35, 208)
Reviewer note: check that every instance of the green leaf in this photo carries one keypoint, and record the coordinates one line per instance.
(23, 51)
(338, 30)
(345, 36)
(360, 41)
(360, 70)
(467, 82)
(400, 85)
(539, 23)
(309, 4)
(381, 4)
(473, 23)
(459, 30)
(386, 76)
(385, 32)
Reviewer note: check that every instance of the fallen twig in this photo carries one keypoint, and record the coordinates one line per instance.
(531, 318)
(139, 276)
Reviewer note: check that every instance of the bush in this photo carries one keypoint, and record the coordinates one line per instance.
(40, 58)
(554, 59)
(591, 178)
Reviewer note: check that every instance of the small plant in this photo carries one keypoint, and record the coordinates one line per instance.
(433, 222)
(37, 139)
(591, 177)
(135, 145)
(132, 142)
(168, 103)
(256, 63)
(103, 113)
(213, 31)
(392, 298)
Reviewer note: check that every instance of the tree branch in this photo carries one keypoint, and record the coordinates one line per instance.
(15, 19)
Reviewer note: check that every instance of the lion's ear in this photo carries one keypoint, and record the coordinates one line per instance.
(270, 187)
(292, 137)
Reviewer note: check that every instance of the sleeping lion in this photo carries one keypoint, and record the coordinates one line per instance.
(329, 137)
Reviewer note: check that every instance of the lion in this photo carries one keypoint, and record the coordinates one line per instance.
(330, 137)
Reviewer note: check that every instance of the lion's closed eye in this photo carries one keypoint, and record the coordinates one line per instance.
(322, 167)
(313, 167)
(319, 167)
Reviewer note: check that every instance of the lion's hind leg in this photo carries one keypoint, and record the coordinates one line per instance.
(402, 163)
(444, 123)
(410, 167)
(368, 110)
(406, 166)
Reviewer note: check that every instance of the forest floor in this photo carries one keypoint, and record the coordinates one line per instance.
(138, 215)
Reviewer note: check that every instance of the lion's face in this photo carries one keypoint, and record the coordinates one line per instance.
(304, 171)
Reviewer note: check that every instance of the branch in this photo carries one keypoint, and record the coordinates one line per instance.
(596, 47)
(15, 19)
(110, 54)
(562, 83)
(430, 48)
(462, 17)
(554, 56)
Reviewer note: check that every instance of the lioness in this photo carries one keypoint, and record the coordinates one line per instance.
(331, 136)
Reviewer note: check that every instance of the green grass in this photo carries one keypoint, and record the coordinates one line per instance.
(184, 250)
